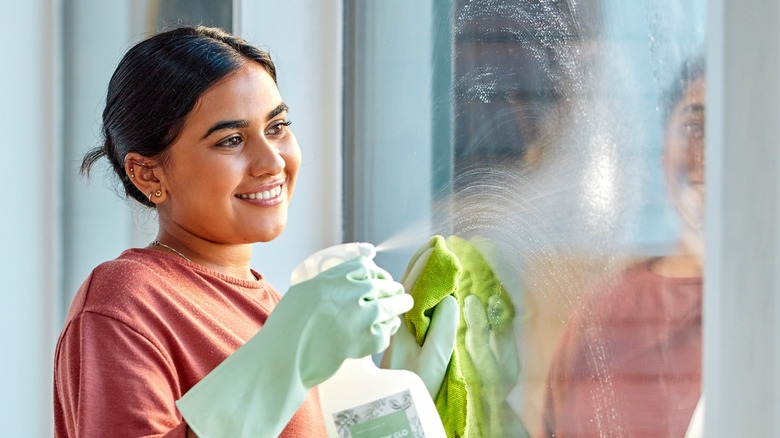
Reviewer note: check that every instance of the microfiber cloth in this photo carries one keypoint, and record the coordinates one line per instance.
(431, 275)
(454, 267)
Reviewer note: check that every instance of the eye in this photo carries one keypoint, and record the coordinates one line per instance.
(278, 127)
(230, 142)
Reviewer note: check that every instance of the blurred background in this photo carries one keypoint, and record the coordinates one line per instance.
(533, 128)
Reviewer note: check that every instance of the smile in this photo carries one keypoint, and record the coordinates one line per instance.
(265, 194)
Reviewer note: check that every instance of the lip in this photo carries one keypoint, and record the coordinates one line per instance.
(267, 195)
(696, 178)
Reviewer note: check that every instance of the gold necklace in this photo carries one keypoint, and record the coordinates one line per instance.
(158, 243)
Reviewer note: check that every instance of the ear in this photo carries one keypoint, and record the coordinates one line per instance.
(145, 174)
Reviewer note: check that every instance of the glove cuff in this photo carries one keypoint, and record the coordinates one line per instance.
(254, 392)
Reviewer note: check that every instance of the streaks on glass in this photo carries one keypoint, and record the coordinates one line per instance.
(555, 88)
(523, 80)
(557, 142)
(481, 83)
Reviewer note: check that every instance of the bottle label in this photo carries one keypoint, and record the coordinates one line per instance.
(393, 416)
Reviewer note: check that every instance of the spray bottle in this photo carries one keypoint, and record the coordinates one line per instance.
(362, 400)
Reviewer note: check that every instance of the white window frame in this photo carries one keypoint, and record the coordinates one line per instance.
(741, 364)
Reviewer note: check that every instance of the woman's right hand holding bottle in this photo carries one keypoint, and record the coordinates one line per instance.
(348, 311)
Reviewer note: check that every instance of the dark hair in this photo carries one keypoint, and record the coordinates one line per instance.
(156, 85)
(690, 70)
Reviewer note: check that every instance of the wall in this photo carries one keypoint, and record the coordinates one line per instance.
(304, 38)
(29, 224)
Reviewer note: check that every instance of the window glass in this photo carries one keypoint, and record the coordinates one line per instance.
(565, 142)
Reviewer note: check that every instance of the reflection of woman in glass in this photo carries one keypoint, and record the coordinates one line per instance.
(629, 363)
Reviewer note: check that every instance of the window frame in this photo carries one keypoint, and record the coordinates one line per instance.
(741, 363)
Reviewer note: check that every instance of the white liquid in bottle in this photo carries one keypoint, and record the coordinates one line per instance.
(362, 400)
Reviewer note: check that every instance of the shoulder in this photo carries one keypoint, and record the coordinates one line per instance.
(619, 287)
(121, 273)
(146, 284)
(132, 274)
(615, 295)
(639, 290)
(117, 288)
(597, 316)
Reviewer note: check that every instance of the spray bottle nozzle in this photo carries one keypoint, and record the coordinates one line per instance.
(366, 249)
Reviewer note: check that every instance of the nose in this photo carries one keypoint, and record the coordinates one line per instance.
(266, 158)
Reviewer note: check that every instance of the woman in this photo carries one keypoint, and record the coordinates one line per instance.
(629, 363)
(194, 127)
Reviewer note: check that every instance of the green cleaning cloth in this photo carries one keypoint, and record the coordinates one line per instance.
(471, 400)
(431, 275)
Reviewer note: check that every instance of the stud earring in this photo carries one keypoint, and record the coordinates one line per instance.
(132, 175)
(150, 196)
(158, 193)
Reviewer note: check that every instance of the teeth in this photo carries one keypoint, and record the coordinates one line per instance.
(265, 194)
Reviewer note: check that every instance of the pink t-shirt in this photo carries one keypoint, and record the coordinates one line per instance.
(629, 363)
(141, 331)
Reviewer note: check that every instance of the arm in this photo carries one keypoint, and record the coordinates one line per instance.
(348, 311)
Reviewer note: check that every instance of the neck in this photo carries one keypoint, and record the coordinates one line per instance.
(229, 259)
(680, 264)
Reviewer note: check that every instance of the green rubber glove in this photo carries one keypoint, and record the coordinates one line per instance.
(348, 311)
(430, 360)
(494, 355)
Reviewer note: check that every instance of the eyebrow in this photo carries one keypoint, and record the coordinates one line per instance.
(695, 108)
(231, 124)
(282, 107)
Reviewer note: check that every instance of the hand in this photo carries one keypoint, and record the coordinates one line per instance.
(348, 311)
(430, 360)
(493, 352)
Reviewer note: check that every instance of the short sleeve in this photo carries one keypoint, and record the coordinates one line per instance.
(112, 381)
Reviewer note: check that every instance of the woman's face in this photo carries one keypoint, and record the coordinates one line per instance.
(229, 176)
(684, 152)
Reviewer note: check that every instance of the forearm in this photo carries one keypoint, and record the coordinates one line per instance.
(255, 392)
